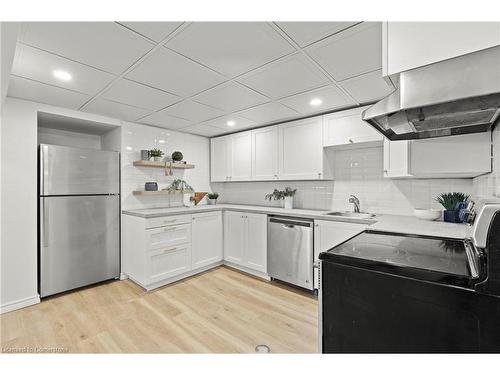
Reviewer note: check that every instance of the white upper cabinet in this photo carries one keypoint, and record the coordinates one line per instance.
(444, 157)
(220, 159)
(265, 153)
(347, 127)
(300, 145)
(241, 157)
(408, 45)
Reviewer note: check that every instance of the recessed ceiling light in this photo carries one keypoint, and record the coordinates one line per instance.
(231, 123)
(315, 102)
(62, 75)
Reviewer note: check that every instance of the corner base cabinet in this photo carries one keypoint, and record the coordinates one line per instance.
(157, 251)
(245, 241)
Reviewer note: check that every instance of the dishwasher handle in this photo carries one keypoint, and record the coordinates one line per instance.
(290, 223)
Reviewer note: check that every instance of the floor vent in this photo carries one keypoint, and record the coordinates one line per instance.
(262, 349)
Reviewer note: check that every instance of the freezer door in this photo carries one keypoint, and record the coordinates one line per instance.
(79, 241)
(72, 171)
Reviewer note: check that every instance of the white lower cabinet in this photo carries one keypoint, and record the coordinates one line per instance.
(245, 240)
(458, 156)
(328, 234)
(166, 263)
(206, 243)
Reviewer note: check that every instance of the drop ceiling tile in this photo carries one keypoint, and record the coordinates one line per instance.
(164, 120)
(114, 109)
(332, 98)
(222, 123)
(367, 87)
(352, 52)
(104, 45)
(285, 77)
(305, 33)
(193, 111)
(231, 48)
(153, 30)
(268, 112)
(39, 65)
(38, 92)
(174, 73)
(204, 130)
(139, 95)
(230, 97)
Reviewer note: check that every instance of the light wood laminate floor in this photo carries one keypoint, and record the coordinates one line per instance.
(219, 311)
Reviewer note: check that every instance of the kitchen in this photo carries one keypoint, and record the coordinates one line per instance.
(245, 187)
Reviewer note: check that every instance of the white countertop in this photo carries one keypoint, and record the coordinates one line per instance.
(389, 223)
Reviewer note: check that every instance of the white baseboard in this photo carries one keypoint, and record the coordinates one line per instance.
(19, 304)
(264, 276)
(123, 276)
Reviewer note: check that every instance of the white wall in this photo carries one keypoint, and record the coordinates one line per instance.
(68, 138)
(358, 172)
(19, 184)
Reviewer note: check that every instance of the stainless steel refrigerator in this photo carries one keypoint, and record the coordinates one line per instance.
(79, 231)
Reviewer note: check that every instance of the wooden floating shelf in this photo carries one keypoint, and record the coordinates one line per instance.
(162, 164)
(156, 192)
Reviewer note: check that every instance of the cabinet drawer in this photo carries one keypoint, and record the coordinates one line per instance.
(165, 263)
(155, 222)
(162, 237)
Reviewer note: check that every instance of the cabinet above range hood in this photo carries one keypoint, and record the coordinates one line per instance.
(452, 97)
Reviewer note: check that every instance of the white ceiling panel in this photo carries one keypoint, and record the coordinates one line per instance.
(368, 87)
(114, 109)
(331, 97)
(193, 111)
(174, 73)
(153, 30)
(139, 95)
(231, 48)
(104, 45)
(352, 52)
(38, 92)
(40, 66)
(268, 112)
(205, 130)
(230, 97)
(305, 33)
(163, 119)
(285, 77)
(238, 123)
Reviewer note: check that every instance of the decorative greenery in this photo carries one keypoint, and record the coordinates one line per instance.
(450, 200)
(213, 195)
(181, 185)
(281, 194)
(156, 152)
(177, 156)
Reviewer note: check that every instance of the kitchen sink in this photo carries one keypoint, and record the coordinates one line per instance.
(358, 215)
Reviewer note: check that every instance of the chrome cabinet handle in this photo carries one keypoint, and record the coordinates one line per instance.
(169, 221)
(169, 229)
(167, 250)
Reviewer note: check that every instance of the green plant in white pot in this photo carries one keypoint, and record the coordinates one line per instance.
(156, 154)
(183, 187)
(285, 195)
(212, 198)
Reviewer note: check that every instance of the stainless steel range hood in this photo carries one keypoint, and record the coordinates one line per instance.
(452, 97)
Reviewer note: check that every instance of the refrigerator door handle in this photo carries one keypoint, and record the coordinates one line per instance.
(45, 223)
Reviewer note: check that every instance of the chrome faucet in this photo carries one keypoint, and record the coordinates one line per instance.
(355, 201)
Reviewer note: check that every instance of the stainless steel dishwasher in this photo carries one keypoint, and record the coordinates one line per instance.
(290, 250)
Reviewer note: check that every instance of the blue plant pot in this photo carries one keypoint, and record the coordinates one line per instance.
(451, 216)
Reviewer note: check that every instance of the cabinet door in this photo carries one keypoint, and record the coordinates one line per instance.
(220, 156)
(328, 234)
(396, 159)
(413, 44)
(301, 149)
(347, 127)
(206, 242)
(256, 242)
(265, 153)
(234, 237)
(241, 157)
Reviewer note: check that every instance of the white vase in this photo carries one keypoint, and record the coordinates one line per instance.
(156, 158)
(187, 200)
(288, 203)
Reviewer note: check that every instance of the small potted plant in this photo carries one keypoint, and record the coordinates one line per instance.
(183, 187)
(285, 195)
(177, 156)
(212, 198)
(451, 203)
(156, 154)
